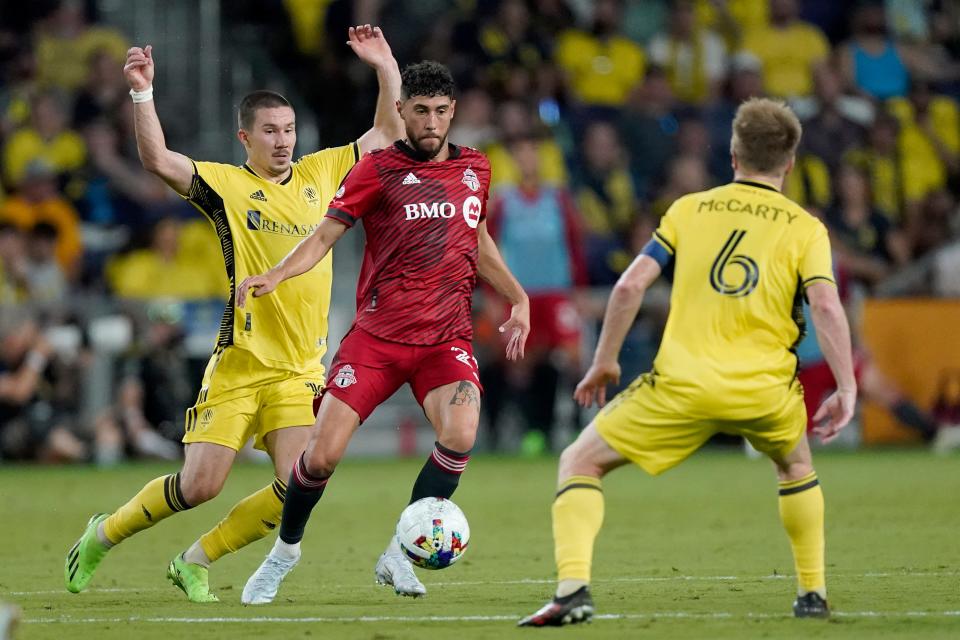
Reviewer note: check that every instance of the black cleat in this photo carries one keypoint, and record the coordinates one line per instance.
(811, 605)
(571, 609)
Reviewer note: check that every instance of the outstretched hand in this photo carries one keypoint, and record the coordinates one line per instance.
(370, 45)
(261, 286)
(834, 414)
(138, 69)
(593, 387)
(517, 328)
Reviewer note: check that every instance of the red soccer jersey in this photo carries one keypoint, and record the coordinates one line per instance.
(420, 263)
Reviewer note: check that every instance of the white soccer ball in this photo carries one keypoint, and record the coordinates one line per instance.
(433, 533)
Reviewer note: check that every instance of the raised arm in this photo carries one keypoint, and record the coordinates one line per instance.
(304, 257)
(371, 47)
(492, 268)
(621, 311)
(174, 168)
(833, 335)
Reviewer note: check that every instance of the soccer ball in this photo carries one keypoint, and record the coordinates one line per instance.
(433, 533)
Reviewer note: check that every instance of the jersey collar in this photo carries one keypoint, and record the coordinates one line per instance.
(284, 181)
(758, 185)
(407, 150)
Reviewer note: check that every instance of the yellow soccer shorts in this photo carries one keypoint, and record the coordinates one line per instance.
(241, 397)
(657, 428)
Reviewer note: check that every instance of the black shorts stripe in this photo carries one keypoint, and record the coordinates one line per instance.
(803, 487)
(356, 153)
(577, 485)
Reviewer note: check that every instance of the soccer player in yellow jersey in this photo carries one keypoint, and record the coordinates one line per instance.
(265, 371)
(744, 257)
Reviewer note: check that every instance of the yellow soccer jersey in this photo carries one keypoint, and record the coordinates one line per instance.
(742, 255)
(259, 222)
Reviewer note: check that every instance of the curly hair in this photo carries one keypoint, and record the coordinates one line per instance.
(427, 78)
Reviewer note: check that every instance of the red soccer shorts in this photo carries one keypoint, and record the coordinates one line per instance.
(818, 383)
(367, 370)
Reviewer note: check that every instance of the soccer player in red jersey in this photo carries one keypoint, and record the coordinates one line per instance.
(423, 207)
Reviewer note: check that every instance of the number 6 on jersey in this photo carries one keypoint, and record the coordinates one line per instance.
(751, 273)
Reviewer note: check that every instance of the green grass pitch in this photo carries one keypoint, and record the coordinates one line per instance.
(698, 553)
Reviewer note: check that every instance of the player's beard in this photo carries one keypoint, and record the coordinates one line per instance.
(425, 154)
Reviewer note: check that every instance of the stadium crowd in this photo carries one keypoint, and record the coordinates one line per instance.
(595, 116)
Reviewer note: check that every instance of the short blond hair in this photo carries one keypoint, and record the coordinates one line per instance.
(765, 135)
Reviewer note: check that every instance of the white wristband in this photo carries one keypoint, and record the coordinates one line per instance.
(142, 96)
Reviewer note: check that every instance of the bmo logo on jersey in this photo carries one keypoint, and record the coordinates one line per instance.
(432, 210)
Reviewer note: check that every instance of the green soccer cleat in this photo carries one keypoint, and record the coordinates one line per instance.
(85, 556)
(192, 580)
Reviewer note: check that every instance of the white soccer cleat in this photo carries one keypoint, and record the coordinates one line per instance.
(262, 586)
(947, 439)
(394, 569)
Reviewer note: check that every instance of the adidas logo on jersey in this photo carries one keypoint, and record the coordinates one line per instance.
(411, 179)
(258, 195)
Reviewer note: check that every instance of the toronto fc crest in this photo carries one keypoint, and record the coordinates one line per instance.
(345, 377)
(471, 180)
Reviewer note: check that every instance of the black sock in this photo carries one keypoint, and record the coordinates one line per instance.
(911, 415)
(303, 494)
(440, 474)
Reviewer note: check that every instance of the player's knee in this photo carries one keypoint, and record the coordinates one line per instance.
(460, 436)
(199, 489)
(574, 463)
(789, 471)
(321, 463)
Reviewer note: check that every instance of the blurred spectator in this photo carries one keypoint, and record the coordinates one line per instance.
(744, 81)
(695, 58)
(33, 424)
(733, 18)
(516, 122)
(37, 200)
(17, 89)
(507, 45)
(929, 142)
(605, 198)
(538, 232)
(687, 174)
(791, 51)
(167, 269)
(65, 42)
(872, 62)
(13, 265)
(808, 184)
(931, 227)
(46, 282)
(866, 245)
(473, 124)
(104, 90)
(649, 125)
(836, 124)
(881, 161)
(601, 66)
(48, 138)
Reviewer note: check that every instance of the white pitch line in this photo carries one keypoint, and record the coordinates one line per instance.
(637, 579)
(723, 615)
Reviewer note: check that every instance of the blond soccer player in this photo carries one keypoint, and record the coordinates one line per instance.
(266, 369)
(745, 257)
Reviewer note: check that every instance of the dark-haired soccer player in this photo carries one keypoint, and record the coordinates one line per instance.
(266, 369)
(744, 258)
(423, 204)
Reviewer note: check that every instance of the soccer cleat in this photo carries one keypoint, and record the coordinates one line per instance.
(811, 605)
(572, 609)
(84, 556)
(394, 569)
(9, 618)
(193, 580)
(262, 586)
(946, 440)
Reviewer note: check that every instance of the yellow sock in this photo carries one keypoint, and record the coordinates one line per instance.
(577, 517)
(159, 498)
(250, 519)
(801, 510)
